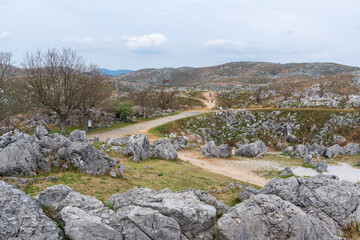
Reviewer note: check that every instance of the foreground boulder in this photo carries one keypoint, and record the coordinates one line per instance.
(139, 213)
(270, 217)
(138, 147)
(22, 218)
(334, 203)
(163, 149)
(252, 149)
(181, 214)
(334, 151)
(351, 149)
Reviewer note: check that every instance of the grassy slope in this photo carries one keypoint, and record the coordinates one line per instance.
(176, 175)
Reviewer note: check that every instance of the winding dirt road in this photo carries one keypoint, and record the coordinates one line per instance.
(220, 166)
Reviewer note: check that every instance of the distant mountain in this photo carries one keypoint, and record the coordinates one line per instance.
(108, 72)
(243, 73)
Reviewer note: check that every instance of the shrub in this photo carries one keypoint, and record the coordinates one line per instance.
(122, 110)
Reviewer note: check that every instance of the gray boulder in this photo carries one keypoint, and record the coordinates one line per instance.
(180, 142)
(337, 139)
(291, 138)
(247, 193)
(317, 149)
(54, 142)
(270, 217)
(22, 218)
(118, 141)
(87, 158)
(5, 140)
(137, 146)
(17, 159)
(286, 172)
(78, 136)
(41, 132)
(300, 151)
(224, 151)
(308, 159)
(210, 149)
(163, 149)
(335, 203)
(351, 149)
(252, 149)
(288, 150)
(321, 167)
(195, 218)
(334, 151)
(80, 225)
(207, 198)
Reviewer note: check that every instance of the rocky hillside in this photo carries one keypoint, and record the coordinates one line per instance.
(242, 73)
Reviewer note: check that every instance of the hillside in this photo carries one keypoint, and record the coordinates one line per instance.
(239, 73)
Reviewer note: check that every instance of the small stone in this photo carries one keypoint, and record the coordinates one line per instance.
(147, 167)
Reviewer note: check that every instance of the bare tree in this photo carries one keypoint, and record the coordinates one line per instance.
(258, 94)
(94, 89)
(6, 74)
(6, 70)
(54, 79)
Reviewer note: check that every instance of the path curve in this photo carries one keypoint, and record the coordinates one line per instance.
(220, 166)
(142, 127)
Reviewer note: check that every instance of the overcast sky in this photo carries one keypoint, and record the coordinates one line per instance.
(136, 34)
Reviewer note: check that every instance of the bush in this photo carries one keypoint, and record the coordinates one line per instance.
(122, 110)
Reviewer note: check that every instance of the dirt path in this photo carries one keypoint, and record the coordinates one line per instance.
(142, 127)
(225, 167)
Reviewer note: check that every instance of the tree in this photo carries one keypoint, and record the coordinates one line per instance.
(6, 70)
(94, 89)
(54, 79)
(6, 73)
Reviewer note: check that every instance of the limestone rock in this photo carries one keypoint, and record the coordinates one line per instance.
(78, 136)
(22, 218)
(163, 149)
(41, 132)
(252, 149)
(137, 146)
(80, 225)
(270, 217)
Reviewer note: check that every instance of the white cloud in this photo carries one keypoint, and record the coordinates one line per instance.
(150, 42)
(4, 34)
(78, 40)
(225, 43)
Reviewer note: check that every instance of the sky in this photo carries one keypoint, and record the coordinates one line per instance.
(118, 34)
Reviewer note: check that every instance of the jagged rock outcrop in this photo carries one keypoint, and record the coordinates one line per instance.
(183, 213)
(80, 225)
(210, 149)
(22, 218)
(270, 217)
(334, 203)
(25, 155)
(163, 149)
(351, 149)
(180, 142)
(300, 151)
(334, 151)
(252, 149)
(138, 147)
(224, 151)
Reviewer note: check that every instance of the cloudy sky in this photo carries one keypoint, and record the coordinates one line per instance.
(119, 34)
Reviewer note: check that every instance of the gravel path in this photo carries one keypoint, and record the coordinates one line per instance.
(344, 171)
(142, 127)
